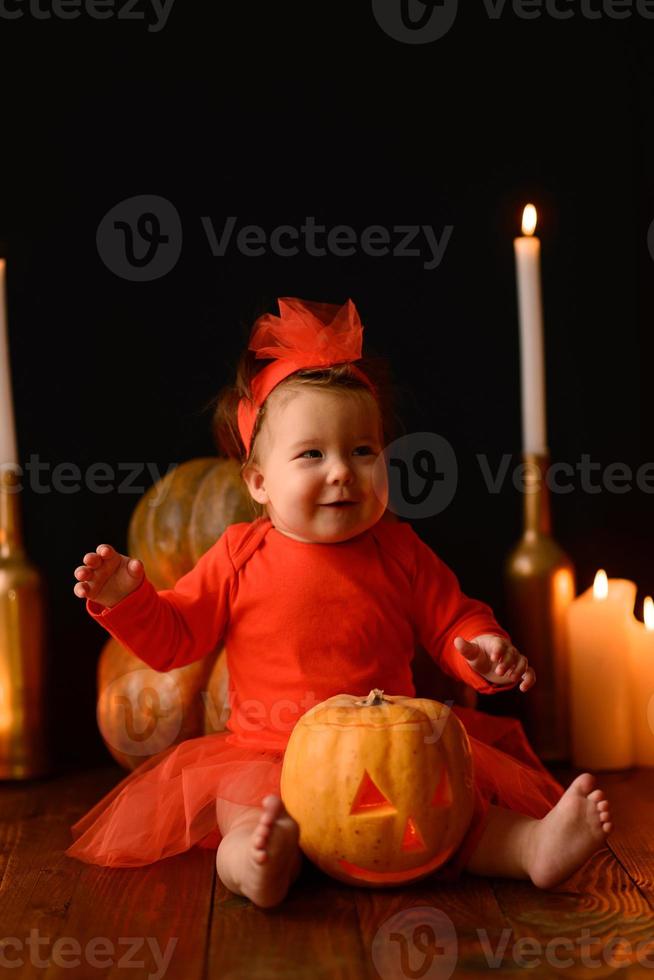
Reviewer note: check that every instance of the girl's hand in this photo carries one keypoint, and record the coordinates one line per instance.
(106, 576)
(496, 660)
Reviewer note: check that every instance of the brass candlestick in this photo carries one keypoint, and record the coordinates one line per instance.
(22, 646)
(539, 585)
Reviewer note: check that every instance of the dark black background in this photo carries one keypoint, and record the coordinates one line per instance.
(271, 113)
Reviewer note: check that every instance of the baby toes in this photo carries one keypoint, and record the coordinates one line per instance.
(261, 837)
(604, 815)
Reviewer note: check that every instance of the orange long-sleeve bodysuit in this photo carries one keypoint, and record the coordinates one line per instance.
(301, 622)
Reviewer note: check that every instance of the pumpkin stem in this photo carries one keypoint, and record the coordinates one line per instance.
(375, 697)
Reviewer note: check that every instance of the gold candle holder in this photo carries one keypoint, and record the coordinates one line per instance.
(22, 646)
(540, 584)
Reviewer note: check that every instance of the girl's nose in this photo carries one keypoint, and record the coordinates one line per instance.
(340, 472)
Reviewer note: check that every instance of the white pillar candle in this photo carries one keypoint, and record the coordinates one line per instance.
(530, 309)
(642, 685)
(600, 637)
(8, 452)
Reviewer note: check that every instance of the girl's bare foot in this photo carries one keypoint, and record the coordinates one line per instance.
(274, 857)
(569, 834)
(106, 576)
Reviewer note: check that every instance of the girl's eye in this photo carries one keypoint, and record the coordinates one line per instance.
(367, 449)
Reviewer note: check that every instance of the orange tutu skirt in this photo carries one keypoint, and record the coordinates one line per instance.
(168, 804)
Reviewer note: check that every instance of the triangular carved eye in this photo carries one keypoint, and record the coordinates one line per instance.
(369, 797)
(412, 840)
(443, 792)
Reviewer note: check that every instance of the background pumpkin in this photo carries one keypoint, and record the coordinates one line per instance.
(382, 788)
(172, 525)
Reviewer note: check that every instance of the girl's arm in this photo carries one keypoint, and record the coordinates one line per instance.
(442, 612)
(174, 627)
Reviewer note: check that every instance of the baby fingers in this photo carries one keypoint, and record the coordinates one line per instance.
(529, 679)
(508, 658)
(92, 559)
(106, 551)
(518, 668)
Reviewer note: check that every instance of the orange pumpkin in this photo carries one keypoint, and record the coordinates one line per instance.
(382, 788)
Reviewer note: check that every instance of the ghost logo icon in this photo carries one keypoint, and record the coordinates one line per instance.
(415, 21)
(416, 475)
(140, 238)
(149, 228)
(425, 466)
(416, 942)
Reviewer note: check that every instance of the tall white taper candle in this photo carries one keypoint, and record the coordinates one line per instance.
(530, 308)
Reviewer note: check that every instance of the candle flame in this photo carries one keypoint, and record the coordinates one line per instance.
(601, 585)
(529, 220)
(648, 613)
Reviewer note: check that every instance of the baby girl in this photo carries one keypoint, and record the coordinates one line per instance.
(324, 592)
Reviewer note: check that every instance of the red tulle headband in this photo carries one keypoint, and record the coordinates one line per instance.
(305, 335)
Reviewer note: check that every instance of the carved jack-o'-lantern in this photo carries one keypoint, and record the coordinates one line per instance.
(381, 787)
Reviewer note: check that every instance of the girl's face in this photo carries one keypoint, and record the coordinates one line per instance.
(317, 447)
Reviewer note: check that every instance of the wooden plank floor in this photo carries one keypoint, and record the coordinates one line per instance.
(62, 918)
